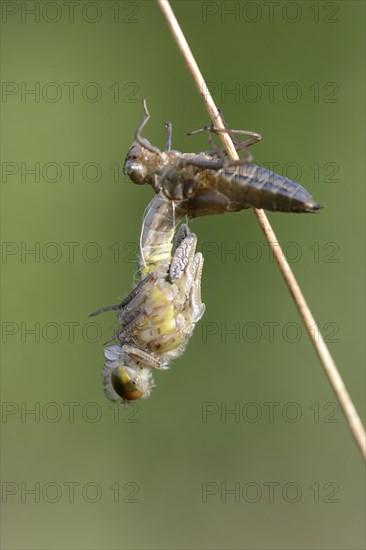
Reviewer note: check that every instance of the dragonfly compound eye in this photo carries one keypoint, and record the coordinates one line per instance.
(141, 164)
(135, 170)
(131, 384)
(135, 167)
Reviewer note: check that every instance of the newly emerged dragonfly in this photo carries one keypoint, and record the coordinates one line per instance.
(158, 317)
(210, 183)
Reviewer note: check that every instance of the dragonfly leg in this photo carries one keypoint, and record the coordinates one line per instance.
(219, 156)
(148, 359)
(138, 137)
(130, 321)
(134, 310)
(103, 309)
(239, 145)
(149, 280)
(254, 136)
(242, 145)
(114, 337)
(169, 131)
(142, 288)
(222, 159)
(217, 151)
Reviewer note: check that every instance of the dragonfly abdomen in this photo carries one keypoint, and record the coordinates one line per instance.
(261, 188)
(159, 223)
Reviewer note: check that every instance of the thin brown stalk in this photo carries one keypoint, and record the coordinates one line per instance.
(316, 338)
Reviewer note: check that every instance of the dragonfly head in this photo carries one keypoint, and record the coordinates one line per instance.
(123, 378)
(140, 164)
(131, 383)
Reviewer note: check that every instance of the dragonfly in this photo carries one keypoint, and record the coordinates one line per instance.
(158, 317)
(209, 182)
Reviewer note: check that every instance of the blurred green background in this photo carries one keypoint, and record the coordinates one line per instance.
(179, 471)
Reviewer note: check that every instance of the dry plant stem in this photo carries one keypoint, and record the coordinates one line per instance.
(316, 338)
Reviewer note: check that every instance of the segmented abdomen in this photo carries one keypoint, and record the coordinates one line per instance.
(249, 184)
